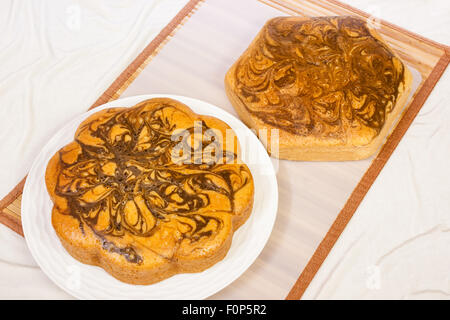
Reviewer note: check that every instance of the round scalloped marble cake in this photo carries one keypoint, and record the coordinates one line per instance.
(330, 86)
(143, 194)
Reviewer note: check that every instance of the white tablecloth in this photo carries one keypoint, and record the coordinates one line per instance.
(57, 57)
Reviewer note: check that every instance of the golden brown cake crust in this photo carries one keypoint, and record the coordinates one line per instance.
(330, 85)
(127, 198)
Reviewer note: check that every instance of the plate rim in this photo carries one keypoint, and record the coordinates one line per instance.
(79, 118)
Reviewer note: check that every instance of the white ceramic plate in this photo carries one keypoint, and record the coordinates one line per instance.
(90, 282)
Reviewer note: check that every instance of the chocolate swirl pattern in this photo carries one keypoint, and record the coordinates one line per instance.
(319, 76)
(126, 177)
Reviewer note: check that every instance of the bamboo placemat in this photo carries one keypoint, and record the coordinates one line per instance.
(426, 56)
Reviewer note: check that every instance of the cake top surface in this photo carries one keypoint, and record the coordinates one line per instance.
(135, 173)
(319, 76)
